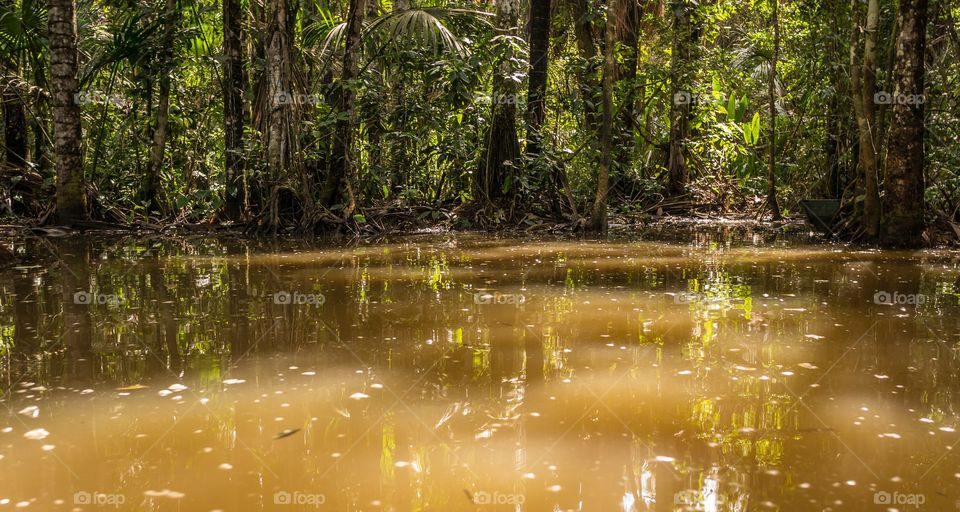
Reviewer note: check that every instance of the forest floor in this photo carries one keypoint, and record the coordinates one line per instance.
(659, 226)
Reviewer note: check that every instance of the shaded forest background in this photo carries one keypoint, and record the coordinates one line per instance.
(300, 115)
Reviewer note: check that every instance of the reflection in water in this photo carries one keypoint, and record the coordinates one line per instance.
(466, 373)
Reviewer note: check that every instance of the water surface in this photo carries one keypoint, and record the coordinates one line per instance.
(717, 372)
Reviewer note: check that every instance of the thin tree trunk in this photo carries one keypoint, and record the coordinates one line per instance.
(281, 94)
(863, 82)
(630, 37)
(685, 36)
(904, 202)
(772, 91)
(587, 48)
(62, 36)
(233, 111)
(14, 126)
(598, 218)
(539, 62)
(152, 192)
(343, 168)
(503, 148)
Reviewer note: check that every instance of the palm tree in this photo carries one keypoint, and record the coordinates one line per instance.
(62, 34)
(388, 36)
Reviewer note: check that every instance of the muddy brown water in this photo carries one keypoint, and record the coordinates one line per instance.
(716, 372)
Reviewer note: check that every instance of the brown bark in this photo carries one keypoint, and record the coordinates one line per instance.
(772, 92)
(343, 168)
(863, 85)
(233, 111)
(685, 36)
(62, 36)
(587, 49)
(537, 90)
(503, 148)
(152, 192)
(598, 218)
(281, 95)
(904, 200)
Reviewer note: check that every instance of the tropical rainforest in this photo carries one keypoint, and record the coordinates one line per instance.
(318, 115)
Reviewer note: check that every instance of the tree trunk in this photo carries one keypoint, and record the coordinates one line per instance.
(904, 202)
(62, 36)
(537, 91)
(152, 192)
(503, 148)
(598, 218)
(685, 36)
(587, 48)
(630, 38)
(343, 168)
(280, 90)
(14, 126)
(863, 83)
(233, 111)
(772, 91)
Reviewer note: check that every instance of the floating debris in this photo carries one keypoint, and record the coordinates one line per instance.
(177, 387)
(31, 410)
(36, 434)
(287, 433)
(165, 493)
(233, 381)
(359, 396)
(134, 387)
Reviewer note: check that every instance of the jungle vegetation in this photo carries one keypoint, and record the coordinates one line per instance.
(318, 114)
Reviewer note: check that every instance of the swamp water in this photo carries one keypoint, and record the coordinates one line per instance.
(723, 372)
